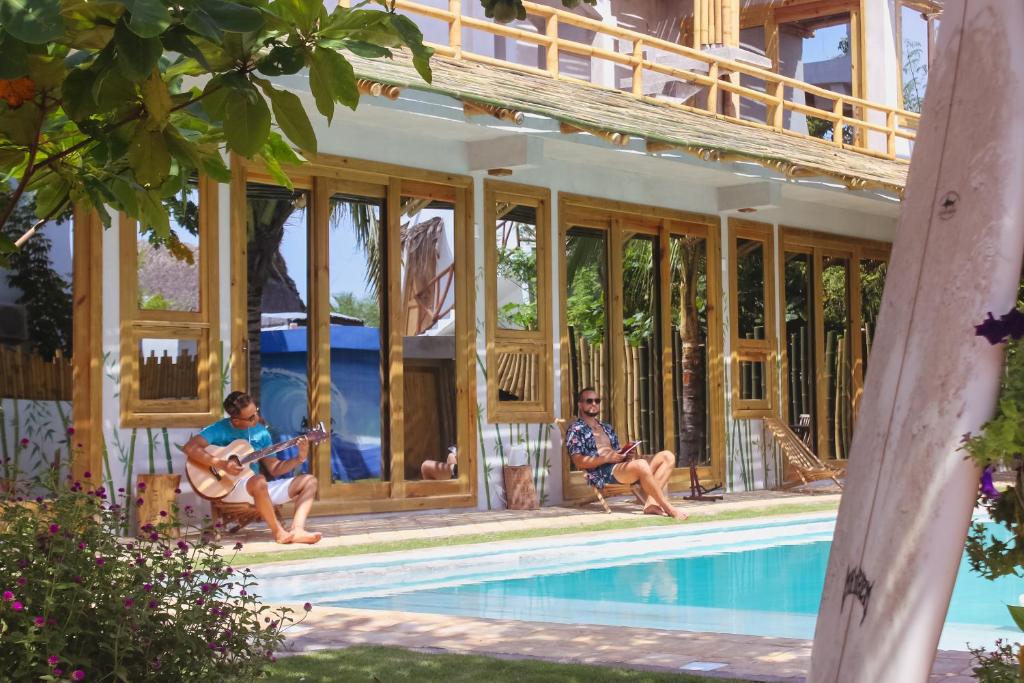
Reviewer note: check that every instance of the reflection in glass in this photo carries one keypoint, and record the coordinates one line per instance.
(516, 244)
(168, 369)
(750, 294)
(277, 224)
(428, 317)
(753, 380)
(641, 346)
(872, 284)
(835, 277)
(518, 376)
(585, 314)
(169, 265)
(799, 322)
(689, 302)
(356, 339)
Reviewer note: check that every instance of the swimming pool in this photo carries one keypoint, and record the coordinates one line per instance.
(761, 578)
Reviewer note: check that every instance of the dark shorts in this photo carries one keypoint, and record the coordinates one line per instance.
(602, 475)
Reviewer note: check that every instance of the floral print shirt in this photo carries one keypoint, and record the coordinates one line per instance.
(579, 438)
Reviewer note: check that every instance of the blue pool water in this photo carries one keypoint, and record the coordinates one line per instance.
(748, 584)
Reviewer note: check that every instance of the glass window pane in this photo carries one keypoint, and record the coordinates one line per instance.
(169, 265)
(278, 331)
(689, 300)
(753, 380)
(516, 286)
(168, 369)
(586, 315)
(750, 288)
(872, 284)
(799, 323)
(518, 377)
(428, 317)
(641, 345)
(357, 279)
(835, 278)
(914, 53)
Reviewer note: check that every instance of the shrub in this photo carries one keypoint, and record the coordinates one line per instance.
(79, 602)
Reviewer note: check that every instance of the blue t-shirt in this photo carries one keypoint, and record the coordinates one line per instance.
(221, 433)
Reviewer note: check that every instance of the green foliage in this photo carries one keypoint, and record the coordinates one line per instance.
(585, 305)
(1001, 665)
(100, 105)
(45, 295)
(504, 11)
(518, 265)
(915, 75)
(155, 302)
(79, 598)
(366, 309)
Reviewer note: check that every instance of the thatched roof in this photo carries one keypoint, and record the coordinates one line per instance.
(595, 109)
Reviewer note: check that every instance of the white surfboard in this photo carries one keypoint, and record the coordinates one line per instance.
(910, 492)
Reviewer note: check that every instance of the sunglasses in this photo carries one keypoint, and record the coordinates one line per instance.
(592, 401)
(252, 418)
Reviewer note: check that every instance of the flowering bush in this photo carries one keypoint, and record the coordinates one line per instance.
(78, 602)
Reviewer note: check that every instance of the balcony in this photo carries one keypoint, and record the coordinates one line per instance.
(728, 84)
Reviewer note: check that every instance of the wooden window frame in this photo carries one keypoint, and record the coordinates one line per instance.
(500, 340)
(819, 245)
(202, 325)
(325, 175)
(753, 350)
(619, 221)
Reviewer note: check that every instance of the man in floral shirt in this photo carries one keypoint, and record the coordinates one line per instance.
(594, 446)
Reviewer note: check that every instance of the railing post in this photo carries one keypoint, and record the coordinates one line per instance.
(712, 103)
(890, 134)
(551, 31)
(638, 68)
(455, 27)
(775, 112)
(837, 124)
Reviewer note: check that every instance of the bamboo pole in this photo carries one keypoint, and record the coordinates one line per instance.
(830, 361)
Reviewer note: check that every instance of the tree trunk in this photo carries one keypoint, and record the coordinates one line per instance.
(692, 424)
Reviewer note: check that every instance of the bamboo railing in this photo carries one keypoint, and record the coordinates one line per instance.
(871, 122)
(27, 375)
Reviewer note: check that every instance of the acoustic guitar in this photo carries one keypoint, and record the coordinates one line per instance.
(213, 483)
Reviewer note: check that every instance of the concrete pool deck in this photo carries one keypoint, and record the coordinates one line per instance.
(746, 657)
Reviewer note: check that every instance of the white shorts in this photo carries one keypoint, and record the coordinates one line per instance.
(277, 489)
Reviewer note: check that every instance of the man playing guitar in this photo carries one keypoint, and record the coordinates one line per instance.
(243, 422)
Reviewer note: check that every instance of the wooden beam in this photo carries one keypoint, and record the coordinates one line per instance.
(500, 113)
(617, 139)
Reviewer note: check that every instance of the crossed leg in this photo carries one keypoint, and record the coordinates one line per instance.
(641, 471)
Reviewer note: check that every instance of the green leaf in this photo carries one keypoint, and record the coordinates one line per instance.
(367, 50)
(320, 86)
(149, 18)
(76, 94)
(1017, 612)
(230, 16)
(156, 98)
(36, 22)
(339, 76)
(111, 90)
(19, 125)
(219, 89)
(177, 40)
(199, 21)
(13, 63)
(6, 244)
(414, 39)
(290, 115)
(246, 123)
(212, 164)
(282, 60)
(148, 157)
(302, 13)
(136, 56)
(125, 195)
(180, 148)
(51, 195)
(46, 71)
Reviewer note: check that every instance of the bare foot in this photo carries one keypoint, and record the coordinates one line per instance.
(284, 537)
(677, 514)
(653, 509)
(303, 536)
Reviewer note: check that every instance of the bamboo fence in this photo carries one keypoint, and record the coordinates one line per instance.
(168, 377)
(27, 375)
(518, 375)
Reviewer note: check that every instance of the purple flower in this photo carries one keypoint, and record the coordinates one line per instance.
(154, 536)
(163, 513)
(54, 528)
(21, 581)
(57, 672)
(151, 604)
(238, 546)
(139, 501)
(988, 489)
(53, 660)
(71, 431)
(40, 621)
(994, 331)
(206, 587)
(25, 441)
(87, 475)
(200, 601)
(141, 486)
(8, 596)
(17, 606)
(307, 607)
(128, 603)
(167, 553)
(148, 587)
(177, 490)
(78, 675)
(100, 561)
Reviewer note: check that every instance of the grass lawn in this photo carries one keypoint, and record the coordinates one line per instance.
(249, 559)
(375, 664)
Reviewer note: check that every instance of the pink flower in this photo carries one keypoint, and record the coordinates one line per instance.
(71, 431)
(53, 660)
(307, 607)
(78, 675)
(54, 528)
(8, 596)
(100, 561)
(58, 672)
(152, 604)
(148, 587)
(17, 606)
(128, 602)
(40, 621)
(141, 486)
(139, 501)
(87, 475)
(21, 581)
(25, 441)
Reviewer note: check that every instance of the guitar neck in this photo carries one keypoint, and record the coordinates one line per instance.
(269, 450)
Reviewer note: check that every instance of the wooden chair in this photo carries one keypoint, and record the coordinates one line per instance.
(802, 459)
(609, 489)
(234, 517)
